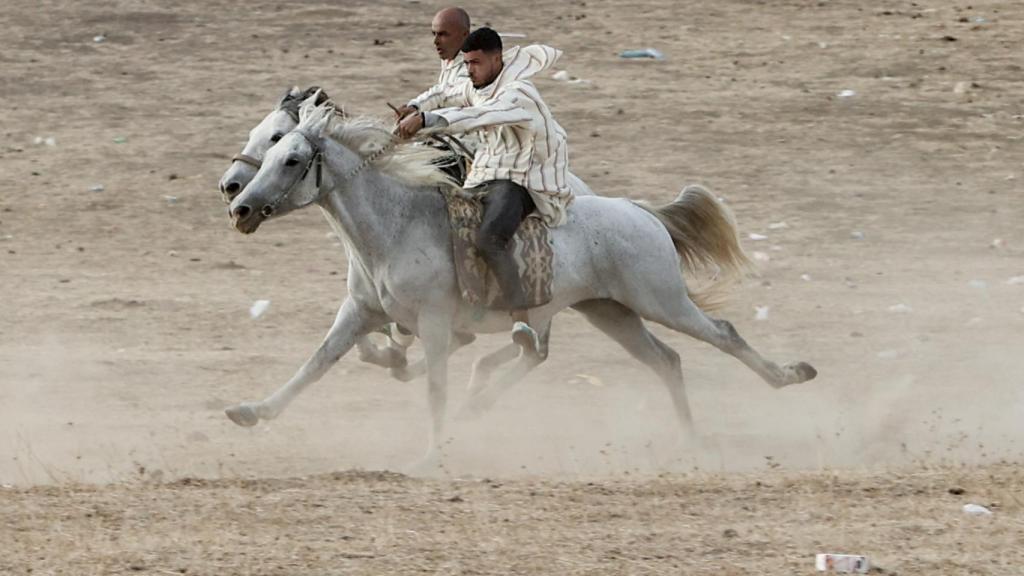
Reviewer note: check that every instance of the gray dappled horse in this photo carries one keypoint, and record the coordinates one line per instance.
(616, 261)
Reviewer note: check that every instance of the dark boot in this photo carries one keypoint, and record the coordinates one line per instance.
(505, 205)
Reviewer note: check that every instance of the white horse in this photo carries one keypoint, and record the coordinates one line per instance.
(617, 262)
(282, 120)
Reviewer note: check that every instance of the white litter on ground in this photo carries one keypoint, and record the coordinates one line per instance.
(258, 308)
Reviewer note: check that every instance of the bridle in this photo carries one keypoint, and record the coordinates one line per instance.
(317, 160)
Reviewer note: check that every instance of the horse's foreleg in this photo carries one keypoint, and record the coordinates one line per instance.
(484, 366)
(350, 324)
(391, 356)
(418, 368)
(435, 330)
(483, 396)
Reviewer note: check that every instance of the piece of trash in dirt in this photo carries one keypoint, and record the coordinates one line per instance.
(511, 34)
(997, 243)
(49, 141)
(1015, 280)
(979, 20)
(258, 308)
(979, 284)
(120, 139)
(761, 256)
(846, 94)
(961, 87)
(171, 199)
(586, 379)
(96, 188)
(976, 510)
(761, 312)
(857, 235)
(755, 236)
(841, 563)
(888, 354)
(777, 226)
(643, 53)
(900, 308)
(805, 277)
(99, 38)
(561, 76)
(822, 45)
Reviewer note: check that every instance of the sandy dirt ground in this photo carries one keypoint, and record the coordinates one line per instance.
(124, 324)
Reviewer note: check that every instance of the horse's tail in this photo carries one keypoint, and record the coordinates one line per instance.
(704, 233)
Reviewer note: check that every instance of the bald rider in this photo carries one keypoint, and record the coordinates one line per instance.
(450, 28)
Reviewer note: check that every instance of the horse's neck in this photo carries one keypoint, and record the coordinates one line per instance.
(372, 213)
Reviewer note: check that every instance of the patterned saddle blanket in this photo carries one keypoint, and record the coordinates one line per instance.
(531, 248)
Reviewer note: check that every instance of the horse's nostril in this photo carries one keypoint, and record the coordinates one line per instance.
(241, 212)
(267, 211)
(233, 188)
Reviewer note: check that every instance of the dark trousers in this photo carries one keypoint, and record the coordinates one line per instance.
(506, 204)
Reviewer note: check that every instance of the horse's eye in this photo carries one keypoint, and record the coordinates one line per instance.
(276, 137)
(291, 162)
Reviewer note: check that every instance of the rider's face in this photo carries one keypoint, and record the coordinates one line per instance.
(448, 37)
(483, 67)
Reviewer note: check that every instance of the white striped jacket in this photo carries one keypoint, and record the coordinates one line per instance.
(519, 139)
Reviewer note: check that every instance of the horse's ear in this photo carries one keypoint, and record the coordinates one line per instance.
(290, 94)
(308, 107)
(326, 111)
(313, 117)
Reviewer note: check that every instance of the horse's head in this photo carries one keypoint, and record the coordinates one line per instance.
(274, 126)
(291, 173)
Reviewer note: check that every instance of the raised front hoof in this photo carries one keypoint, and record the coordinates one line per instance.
(797, 374)
(243, 415)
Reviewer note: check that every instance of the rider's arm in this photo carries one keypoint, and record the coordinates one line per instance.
(512, 106)
(440, 96)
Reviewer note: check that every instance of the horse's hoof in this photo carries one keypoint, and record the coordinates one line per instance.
(526, 337)
(795, 374)
(805, 371)
(430, 465)
(243, 415)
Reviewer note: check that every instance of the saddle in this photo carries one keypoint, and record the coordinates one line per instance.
(531, 248)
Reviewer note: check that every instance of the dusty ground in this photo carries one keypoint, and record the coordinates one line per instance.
(124, 325)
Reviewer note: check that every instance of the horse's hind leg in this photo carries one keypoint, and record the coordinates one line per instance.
(626, 327)
(684, 316)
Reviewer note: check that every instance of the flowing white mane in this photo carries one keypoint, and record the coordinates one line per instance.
(412, 164)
